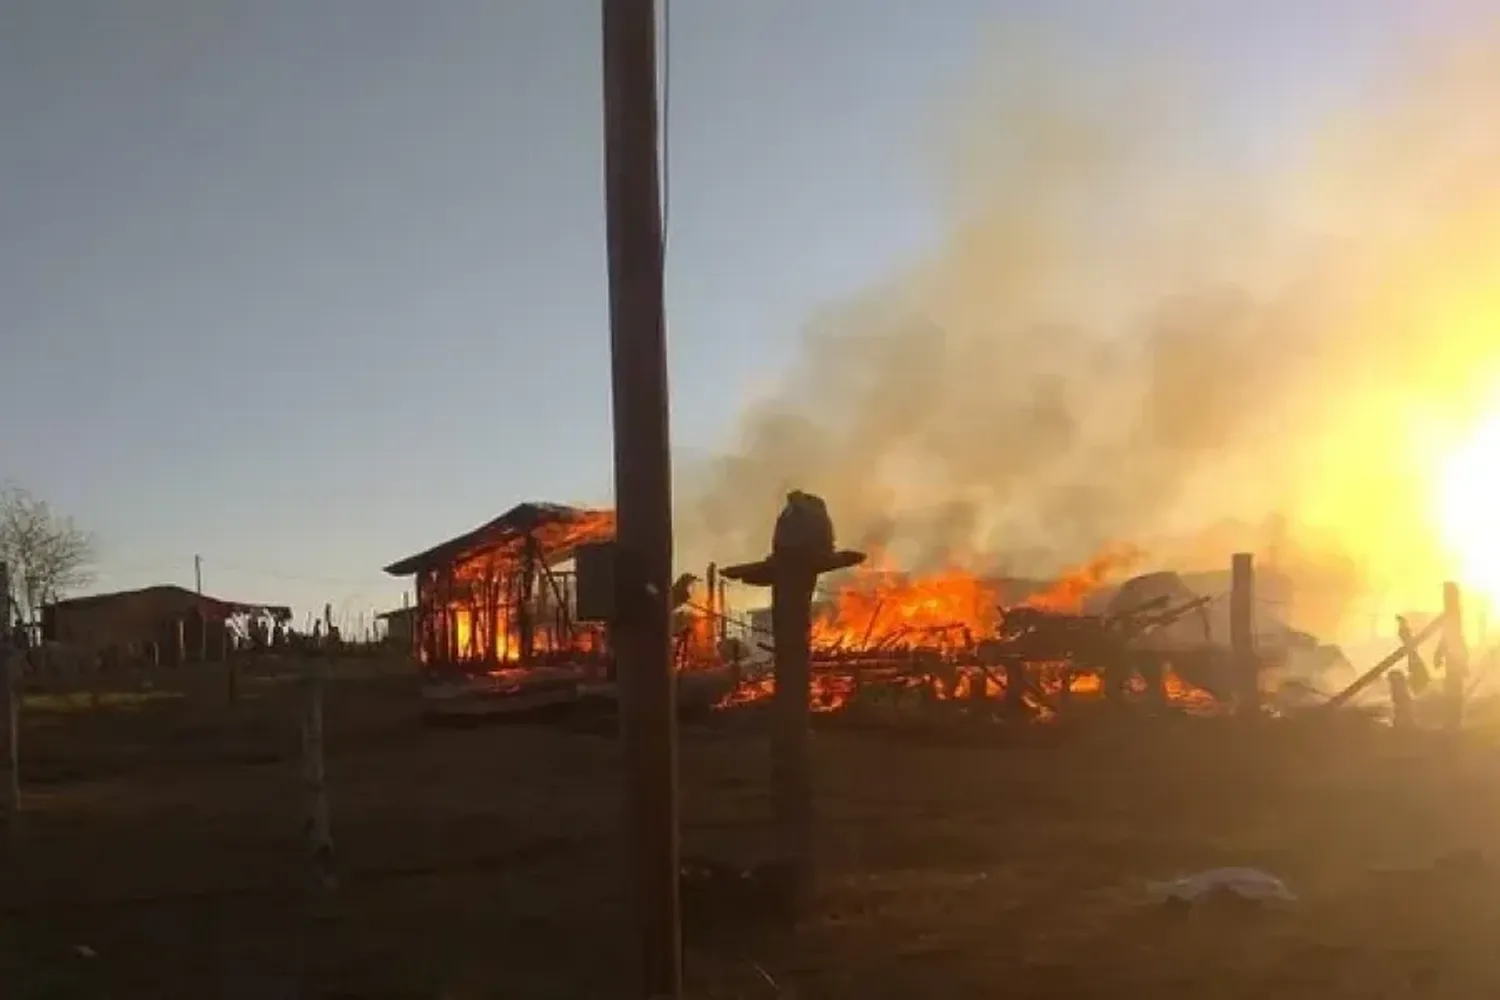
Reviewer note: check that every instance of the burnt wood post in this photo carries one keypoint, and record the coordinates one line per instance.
(525, 619)
(1153, 674)
(1015, 686)
(715, 612)
(978, 695)
(1455, 657)
(1245, 663)
(802, 548)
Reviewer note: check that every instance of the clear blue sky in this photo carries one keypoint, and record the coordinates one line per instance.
(306, 285)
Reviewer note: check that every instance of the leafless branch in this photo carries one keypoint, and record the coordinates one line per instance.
(48, 554)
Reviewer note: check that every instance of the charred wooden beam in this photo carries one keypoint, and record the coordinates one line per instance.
(1372, 675)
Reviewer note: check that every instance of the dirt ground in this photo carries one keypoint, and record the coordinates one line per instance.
(161, 857)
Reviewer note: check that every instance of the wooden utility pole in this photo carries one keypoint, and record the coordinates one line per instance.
(642, 635)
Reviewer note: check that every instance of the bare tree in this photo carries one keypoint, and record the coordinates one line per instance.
(47, 553)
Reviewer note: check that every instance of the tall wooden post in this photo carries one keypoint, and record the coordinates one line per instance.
(791, 784)
(723, 606)
(1455, 657)
(713, 635)
(1246, 663)
(642, 633)
(801, 549)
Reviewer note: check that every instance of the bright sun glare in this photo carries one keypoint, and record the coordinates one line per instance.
(1469, 508)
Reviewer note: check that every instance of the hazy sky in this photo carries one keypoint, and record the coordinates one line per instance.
(306, 285)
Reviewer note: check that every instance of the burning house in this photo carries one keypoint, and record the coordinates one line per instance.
(504, 593)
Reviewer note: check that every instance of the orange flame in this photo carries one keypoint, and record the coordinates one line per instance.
(878, 607)
(479, 605)
(876, 610)
(1069, 591)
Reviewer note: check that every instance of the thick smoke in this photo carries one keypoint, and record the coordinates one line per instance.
(1127, 338)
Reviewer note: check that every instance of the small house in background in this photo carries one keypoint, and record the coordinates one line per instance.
(177, 623)
(400, 627)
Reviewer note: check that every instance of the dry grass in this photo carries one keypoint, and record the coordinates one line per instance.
(163, 837)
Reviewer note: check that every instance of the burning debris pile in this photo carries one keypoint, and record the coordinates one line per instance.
(959, 636)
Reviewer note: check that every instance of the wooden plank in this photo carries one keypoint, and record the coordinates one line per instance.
(1374, 674)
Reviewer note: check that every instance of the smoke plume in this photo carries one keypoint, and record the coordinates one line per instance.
(1125, 339)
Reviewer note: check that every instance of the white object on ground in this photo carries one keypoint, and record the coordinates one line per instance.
(1246, 883)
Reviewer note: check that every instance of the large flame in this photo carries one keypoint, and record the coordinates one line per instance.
(493, 588)
(877, 607)
(878, 618)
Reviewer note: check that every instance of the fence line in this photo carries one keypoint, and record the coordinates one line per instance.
(527, 852)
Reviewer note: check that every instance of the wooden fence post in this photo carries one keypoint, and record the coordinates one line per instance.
(1403, 714)
(10, 718)
(314, 775)
(10, 713)
(979, 697)
(1246, 664)
(802, 548)
(1455, 657)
